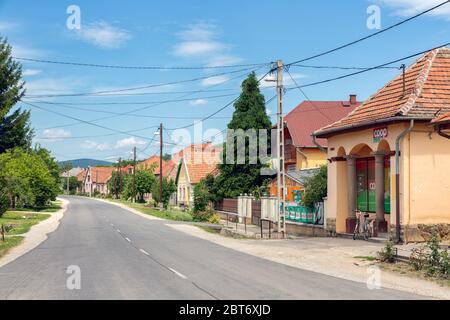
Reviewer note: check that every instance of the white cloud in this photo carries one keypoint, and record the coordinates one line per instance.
(198, 102)
(197, 48)
(199, 41)
(411, 7)
(51, 135)
(223, 60)
(26, 52)
(48, 86)
(31, 72)
(211, 81)
(103, 35)
(129, 142)
(89, 144)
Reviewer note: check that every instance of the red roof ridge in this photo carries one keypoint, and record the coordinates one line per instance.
(421, 79)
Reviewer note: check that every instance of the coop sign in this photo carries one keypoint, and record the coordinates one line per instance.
(379, 134)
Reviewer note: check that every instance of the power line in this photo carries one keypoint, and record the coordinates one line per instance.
(100, 93)
(107, 66)
(222, 108)
(307, 98)
(335, 67)
(371, 35)
(369, 69)
(147, 107)
(83, 121)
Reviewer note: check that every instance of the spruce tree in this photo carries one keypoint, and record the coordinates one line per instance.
(250, 113)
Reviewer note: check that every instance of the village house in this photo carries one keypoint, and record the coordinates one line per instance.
(302, 153)
(96, 179)
(390, 157)
(196, 162)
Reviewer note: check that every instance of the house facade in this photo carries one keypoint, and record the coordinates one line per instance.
(390, 157)
(196, 162)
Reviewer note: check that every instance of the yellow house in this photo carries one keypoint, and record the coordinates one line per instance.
(391, 156)
(196, 162)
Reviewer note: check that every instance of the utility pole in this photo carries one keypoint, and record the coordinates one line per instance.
(68, 181)
(120, 175)
(280, 152)
(134, 174)
(161, 165)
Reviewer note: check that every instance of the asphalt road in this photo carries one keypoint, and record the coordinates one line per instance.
(124, 256)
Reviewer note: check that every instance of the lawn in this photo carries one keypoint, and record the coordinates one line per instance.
(21, 221)
(164, 214)
(9, 243)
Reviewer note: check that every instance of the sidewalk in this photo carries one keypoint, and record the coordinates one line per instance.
(337, 257)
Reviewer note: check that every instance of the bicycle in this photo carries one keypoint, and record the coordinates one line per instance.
(363, 226)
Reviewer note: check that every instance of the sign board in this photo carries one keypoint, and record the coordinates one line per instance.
(380, 133)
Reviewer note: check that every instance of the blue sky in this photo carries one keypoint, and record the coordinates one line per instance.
(193, 33)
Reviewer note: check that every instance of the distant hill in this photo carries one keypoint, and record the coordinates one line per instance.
(84, 163)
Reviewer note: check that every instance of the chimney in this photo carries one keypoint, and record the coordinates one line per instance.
(353, 99)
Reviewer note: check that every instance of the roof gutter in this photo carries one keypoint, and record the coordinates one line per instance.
(326, 133)
(397, 179)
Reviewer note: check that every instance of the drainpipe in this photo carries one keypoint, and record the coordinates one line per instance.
(318, 145)
(397, 178)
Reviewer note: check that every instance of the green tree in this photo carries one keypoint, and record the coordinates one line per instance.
(27, 179)
(116, 183)
(169, 188)
(15, 131)
(315, 187)
(202, 197)
(139, 185)
(11, 86)
(250, 113)
(74, 184)
(51, 163)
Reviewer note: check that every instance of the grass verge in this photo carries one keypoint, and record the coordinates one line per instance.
(164, 214)
(21, 221)
(407, 270)
(9, 243)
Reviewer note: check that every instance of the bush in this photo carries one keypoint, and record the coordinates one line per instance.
(204, 216)
(388, 254)
(214, 219)
(418, 258)
(315, 188)
(201, 197)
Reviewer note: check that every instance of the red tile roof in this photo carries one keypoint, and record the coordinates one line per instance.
(101, 174)
(82, 175)
(198, 153)
(199, 171)
(310, 116)
(427, 92)
(168, 166)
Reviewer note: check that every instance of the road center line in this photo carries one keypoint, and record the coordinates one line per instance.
(178, 274)
(118, 230)
(144, 252)
(127, 239)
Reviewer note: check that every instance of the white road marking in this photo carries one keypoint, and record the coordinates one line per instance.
(118, 230)
(144, 252)
(127, 239)
(112, 225)
(178, 274)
